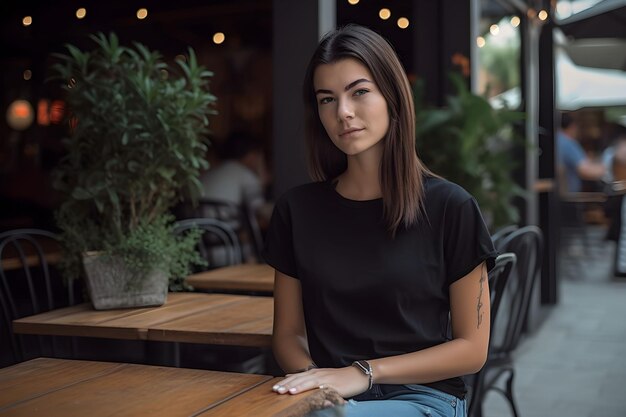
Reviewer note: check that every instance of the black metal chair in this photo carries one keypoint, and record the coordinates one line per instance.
(527, 244)
(486, 379)
(502, 233)
(27, 287)
(219, 243)
(241, 218)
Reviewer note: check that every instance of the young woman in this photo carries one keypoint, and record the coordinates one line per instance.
(378, 258)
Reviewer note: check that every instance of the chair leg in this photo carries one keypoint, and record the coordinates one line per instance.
(509, 392)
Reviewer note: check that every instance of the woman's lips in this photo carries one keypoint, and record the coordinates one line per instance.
(349, 132)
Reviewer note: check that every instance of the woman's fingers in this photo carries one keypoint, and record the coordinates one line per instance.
(297, 383)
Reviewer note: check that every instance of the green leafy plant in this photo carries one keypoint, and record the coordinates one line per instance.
(137, 145)
(470, 143)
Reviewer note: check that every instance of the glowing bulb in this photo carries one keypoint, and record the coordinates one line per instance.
(494, 29)
(403, 23)
(28, 74)
(81, 13)
(543, 15)
(353, 2)
(219, 38)
(384, 14)
(20, 115)
(27, 20)
(480, 41)
(142, 14)
(515, 21)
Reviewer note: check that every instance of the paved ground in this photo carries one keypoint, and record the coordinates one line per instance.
(574, 365)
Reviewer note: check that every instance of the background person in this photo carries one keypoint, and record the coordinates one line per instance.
(379, 256)
(574, 164)
(239, 180)
(241, 172)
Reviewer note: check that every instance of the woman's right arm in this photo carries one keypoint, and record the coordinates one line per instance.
(289, 341)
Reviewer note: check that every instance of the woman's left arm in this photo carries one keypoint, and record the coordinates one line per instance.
(464, 354)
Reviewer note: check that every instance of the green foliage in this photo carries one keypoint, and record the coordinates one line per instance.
(137, 146)
(468, 142)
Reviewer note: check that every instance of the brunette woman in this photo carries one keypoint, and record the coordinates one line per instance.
(378, 258)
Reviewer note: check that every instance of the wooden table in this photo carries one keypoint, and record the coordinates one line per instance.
(244, 277)
(220, 319)
(68, 388)
(11, 259)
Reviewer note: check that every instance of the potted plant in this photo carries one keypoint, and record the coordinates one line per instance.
(136, 146)
(470, 143)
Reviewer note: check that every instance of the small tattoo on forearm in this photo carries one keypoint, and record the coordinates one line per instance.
(479, 304)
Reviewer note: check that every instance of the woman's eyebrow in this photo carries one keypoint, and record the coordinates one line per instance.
(346, 88)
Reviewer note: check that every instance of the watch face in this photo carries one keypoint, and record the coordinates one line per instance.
(364, 366)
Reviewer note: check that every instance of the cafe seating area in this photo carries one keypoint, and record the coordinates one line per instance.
(229, 310)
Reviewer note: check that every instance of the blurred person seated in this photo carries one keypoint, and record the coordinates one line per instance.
(240, 175)
(574, 164)
(239, 179)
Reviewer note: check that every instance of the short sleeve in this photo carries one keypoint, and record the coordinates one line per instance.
(467, 242)
(573, 154)
(278, 250)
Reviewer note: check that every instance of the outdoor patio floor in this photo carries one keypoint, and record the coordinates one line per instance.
(574, 364)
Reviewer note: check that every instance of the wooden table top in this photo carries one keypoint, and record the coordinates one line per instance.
(221, 319)
(68, 388)
(244, 277)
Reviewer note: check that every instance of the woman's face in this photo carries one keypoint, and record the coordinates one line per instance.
(351, 107)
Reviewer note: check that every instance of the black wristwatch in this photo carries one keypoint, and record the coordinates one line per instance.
(366, 368)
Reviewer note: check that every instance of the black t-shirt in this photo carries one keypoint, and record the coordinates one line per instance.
(367, 295)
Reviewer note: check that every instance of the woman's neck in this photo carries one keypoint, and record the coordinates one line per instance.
(361, 180)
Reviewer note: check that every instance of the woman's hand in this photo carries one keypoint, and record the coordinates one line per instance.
(347, 381)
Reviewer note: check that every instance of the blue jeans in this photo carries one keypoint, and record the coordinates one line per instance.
(415, 401)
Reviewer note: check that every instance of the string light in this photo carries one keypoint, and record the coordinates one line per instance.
(543, 15)
(27, 20)
(142, 14)
(81, 13)
(384, 13)
(403, 23)
(494, 29)
(219, 38)
(28, 74)
(515, 21)
(480, 41)
(353, 2)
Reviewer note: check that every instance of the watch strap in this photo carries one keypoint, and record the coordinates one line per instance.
(366, 368)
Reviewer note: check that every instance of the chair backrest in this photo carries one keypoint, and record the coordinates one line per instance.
(241, 218)
(27, 286)
(502, 233)
(499, 280)
(527, 244)
(219, 243)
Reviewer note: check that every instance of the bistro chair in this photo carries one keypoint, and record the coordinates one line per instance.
(27, 287)
(242, 218)
(486, 379)
(219, 243)
(527, 244)
(502, 233)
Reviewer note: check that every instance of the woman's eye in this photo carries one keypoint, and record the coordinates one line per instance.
(326, 100)
(360, 92)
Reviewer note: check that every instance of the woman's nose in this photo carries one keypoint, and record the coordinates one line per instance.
(345, 110)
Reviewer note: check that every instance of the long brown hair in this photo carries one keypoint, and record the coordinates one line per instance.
(401, 171)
